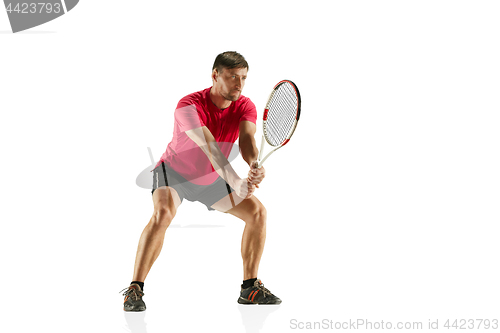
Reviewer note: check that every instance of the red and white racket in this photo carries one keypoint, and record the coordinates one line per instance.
(281, 116)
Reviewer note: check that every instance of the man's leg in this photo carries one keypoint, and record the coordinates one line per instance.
(166, 200)
(253, 213)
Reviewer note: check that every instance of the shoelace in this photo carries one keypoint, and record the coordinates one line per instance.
(260, 285)
(133, 293)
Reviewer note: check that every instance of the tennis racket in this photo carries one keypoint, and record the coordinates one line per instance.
(281, 116)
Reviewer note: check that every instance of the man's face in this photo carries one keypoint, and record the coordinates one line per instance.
(230, 82)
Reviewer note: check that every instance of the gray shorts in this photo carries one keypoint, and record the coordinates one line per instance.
(206, 194)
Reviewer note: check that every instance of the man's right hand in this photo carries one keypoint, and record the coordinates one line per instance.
(244, 189)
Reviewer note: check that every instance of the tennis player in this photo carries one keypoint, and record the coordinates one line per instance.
(195, 167)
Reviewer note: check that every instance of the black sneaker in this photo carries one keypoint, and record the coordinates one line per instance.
(257, 295)
(133, 298)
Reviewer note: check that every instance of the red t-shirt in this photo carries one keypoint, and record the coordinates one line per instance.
(196, 110)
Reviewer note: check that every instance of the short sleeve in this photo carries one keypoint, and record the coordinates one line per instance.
(187, 117)
(249, 112)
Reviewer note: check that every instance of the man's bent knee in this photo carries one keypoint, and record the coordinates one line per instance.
(258, 215)
(162, 217)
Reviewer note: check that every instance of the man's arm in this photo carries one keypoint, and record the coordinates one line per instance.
(206, 141)
(249, 151)
(248, 148)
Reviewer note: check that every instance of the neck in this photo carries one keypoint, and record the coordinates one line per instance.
(218, 99)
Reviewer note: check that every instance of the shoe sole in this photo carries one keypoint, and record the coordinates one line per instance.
(134, 310)
(242, 300)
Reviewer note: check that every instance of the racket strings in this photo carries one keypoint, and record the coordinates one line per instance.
(280, 121)
(282, 114)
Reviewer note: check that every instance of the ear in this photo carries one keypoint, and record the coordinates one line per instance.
(215, 74)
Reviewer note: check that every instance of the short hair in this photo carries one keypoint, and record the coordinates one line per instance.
(229, 59)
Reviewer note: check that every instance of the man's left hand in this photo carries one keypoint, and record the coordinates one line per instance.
(256, 175)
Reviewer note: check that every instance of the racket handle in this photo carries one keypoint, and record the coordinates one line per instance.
(261, 151)
(261, 147)
(269, 154)
(262, 162)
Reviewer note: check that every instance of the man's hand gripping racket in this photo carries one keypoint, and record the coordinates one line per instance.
(281, 116)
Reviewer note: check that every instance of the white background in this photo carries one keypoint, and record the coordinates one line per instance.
(384, 206)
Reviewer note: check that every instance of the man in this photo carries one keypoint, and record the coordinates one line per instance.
(195, 167)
